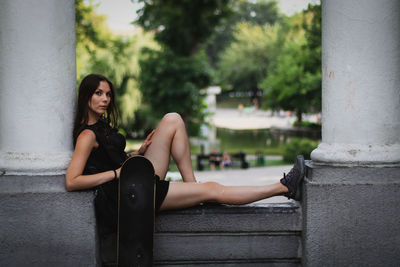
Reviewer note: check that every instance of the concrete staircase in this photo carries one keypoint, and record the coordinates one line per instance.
(218, 235)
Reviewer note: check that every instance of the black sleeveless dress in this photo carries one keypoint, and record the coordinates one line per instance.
(110, 155)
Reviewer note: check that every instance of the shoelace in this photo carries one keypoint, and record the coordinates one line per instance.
(284, 178)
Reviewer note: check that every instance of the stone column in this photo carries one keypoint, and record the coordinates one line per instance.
(40, 223)
(37, 86)
(361, 83)
(351, 190)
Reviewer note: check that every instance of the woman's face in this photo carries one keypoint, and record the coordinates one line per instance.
(100, 99)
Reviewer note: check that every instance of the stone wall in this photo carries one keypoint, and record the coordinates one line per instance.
(43, 225)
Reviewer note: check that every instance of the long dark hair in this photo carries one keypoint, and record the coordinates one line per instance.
(88, 86)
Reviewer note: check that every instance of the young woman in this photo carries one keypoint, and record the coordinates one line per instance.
(99, 154)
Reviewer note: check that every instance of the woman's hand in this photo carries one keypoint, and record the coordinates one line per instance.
(146, 143)
(118, 171)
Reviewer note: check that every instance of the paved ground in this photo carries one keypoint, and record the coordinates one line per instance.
(251, 176)
(233, 119)
(260, 119)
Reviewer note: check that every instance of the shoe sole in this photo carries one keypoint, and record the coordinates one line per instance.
(301, 163)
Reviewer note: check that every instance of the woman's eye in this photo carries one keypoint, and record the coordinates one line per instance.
(98, 93)
(108, 94)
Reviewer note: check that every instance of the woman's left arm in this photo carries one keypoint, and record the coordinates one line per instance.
(74, 178)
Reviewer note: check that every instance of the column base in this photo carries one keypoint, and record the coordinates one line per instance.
(356, 155)
(44, 225)
(350, 216)
(17, 163)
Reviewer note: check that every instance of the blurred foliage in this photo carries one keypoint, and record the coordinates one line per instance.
(182, 25)
(87, 32)
(115, 56)
(307, 124)
(298, 146)
(294, 74)
(171, 83)
(259, 13)
(244, 63)
(171, 78)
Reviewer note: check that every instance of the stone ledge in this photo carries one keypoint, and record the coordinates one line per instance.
(43, 225)
(220, 235)
(247, 263)
(224, 218)
(372, 175)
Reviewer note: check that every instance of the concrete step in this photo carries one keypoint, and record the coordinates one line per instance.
(219, 235)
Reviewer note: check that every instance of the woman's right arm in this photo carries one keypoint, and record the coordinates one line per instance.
(74, 180)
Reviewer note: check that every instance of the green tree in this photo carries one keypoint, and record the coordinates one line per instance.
(312, 66)
(259, 13)
(86, 20)
(171, 78)
(174, 83)
(182, 25)
(244, 63)
(294, 75)
(285, 85)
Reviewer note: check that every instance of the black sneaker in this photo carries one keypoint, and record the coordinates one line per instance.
(294, 178)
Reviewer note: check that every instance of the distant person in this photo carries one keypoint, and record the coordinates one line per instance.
(215, 160)
(99, 154)
(240, 108)
(226, 160)
(256, 104)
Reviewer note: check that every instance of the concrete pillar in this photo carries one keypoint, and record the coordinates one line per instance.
(361, 83)
(40, 223)
(37, 86)
(350, 204)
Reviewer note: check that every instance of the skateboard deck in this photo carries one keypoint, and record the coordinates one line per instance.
(136, 200)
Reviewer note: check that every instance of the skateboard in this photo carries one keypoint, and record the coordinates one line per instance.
(136, 213)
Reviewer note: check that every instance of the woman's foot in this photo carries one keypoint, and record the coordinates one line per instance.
(294, 178)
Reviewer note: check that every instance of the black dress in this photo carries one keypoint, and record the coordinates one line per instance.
(110, 155)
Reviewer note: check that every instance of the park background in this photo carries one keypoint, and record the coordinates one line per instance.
(348, 215)
(264, 57)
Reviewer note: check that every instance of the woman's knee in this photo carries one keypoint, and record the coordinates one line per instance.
(213, 190)
(172, 118)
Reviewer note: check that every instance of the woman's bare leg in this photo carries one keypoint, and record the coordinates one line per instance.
(183, 195)
(170, 138)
